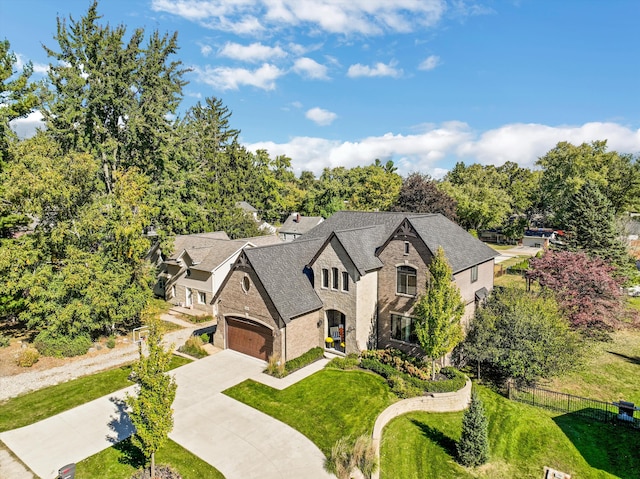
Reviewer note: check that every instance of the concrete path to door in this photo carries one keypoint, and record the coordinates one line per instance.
(240, 441)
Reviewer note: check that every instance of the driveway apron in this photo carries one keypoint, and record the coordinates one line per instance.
(239, 441)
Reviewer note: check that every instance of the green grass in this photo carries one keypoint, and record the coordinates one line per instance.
(523, 440)
(123, 459)
(325, 406)
(610, 372)
(37, 405)
(501, 247)
(634, 303)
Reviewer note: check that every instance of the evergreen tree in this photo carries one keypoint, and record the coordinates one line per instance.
(473, 447)
(592, 227)
(439, 311)
(151, 412)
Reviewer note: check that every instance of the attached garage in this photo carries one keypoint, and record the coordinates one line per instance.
(249, 338)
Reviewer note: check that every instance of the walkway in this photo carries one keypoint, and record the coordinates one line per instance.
(241, 442)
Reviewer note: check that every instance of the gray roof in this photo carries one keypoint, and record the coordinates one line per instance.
(301, 226)
(212, 256)
(281, 271)
(263, 240)
(370, 230)
(461, 249)
(198, 240)
(360, 244)
(243, 205)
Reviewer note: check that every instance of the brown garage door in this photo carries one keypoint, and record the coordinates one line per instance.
(249, 338)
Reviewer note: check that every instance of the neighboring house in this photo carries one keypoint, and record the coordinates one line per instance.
(198, 266)
(249, 210)
(355, 278)
(296, 225)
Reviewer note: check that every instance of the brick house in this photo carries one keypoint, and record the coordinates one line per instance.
(354, 278)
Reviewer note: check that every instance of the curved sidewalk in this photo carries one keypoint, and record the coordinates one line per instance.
(434, 402)
(241, 442)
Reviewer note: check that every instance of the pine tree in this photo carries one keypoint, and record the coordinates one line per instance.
(439, 311)
(151, 412)
(473, 447)
(592, 227)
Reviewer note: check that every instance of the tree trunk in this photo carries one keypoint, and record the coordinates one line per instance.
(478, 369)
(153, 465)
(433, 369)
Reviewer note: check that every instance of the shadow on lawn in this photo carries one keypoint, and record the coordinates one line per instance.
(609, 447)
(631, 359)
(442, 440)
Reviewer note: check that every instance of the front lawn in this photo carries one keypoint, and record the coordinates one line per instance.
(43, 403)
(325, 406)
(122, 460)
(523, 440)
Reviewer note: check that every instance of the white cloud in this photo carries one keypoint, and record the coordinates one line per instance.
(309, 68)
(26, 127)
(38, 68)
(320, 116)
(225, 78)
(369, 17)
(379, 70)
(429, 63)
(436, 148)
(256, 52)
(205, 50)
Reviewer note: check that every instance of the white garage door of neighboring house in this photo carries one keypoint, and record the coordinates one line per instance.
(249, 338)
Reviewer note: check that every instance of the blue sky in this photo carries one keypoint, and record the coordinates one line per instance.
(425, 83)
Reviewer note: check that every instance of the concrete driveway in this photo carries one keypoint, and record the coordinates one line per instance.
(241, 442)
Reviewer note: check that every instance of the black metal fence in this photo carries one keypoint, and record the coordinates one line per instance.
(568, 403)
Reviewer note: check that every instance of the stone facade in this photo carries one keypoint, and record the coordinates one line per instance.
(251, 304)
(390, 301)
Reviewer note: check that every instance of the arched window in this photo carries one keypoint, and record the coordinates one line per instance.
(407, 280)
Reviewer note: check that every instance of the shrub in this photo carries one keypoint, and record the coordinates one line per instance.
(275, 366)
(473, 447)
(193, 347)
(28, 357)
(305, 359)
(4, 341)
(400, 361)
(349, 362)
(111, 342)
(49, 344)
(205, 338)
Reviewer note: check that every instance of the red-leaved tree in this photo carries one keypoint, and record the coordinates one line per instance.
(585, 288)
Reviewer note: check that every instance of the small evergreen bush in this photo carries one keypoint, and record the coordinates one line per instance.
(111, 342)
(473, 447)
(28, 357)
(49, 344)
(4, 341)
(205, 338)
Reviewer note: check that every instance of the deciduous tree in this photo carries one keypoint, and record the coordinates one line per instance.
(439, 311)
(420, 194)
(586, 289)
(526, 336)
(151, 411)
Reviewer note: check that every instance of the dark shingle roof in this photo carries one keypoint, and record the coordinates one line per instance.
(360, 244)
(461, 249)
(299, 224)
(348, 220)
(281, 271)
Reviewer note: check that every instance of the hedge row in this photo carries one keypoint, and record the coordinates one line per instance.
(305, 359)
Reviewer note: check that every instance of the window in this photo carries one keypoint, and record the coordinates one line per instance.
(345, 281)
(335, 278)
(246, 284)
(325, 278)
(474, 274)
(202, 297)
(403, 328)
(407, 280)
(406, 247)
(188, 273)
